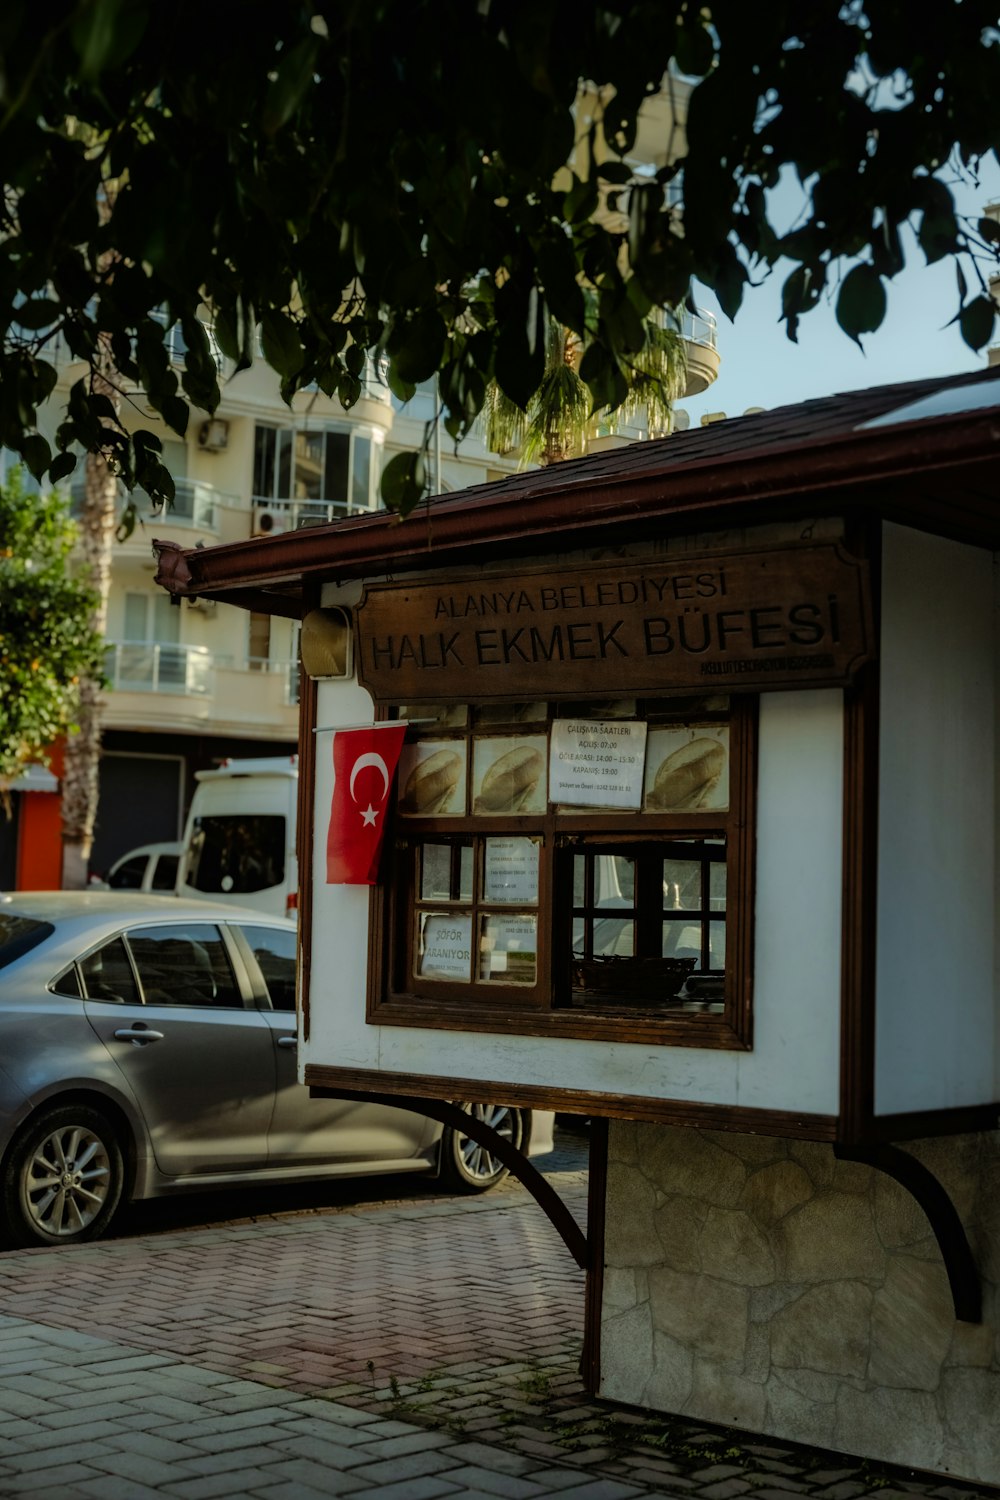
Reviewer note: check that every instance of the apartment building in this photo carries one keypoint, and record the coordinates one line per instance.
(192, 685)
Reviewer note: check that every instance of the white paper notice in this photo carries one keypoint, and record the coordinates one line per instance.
(507, 950)
(447, 947)
(597, 765)
(511, 871)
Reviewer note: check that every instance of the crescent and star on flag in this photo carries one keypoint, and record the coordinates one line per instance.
(369, 814)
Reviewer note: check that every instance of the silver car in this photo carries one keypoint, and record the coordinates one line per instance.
(147, 1046)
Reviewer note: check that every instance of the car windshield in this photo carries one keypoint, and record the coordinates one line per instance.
(236, 855)
(18, 935)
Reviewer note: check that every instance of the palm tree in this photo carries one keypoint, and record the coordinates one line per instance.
(98, 522)
(558, 422)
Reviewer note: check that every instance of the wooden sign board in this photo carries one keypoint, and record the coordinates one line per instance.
(796, 616)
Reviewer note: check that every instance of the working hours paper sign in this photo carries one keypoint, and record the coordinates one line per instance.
(364, 763)
(597, 765)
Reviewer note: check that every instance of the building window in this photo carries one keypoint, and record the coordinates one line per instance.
(573, 869)
(322, 472)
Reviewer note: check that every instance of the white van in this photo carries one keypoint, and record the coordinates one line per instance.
(151, 868)
(239, 842)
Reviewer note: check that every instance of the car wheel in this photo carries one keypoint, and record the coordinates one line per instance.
(63, 1178)
(468, 1167)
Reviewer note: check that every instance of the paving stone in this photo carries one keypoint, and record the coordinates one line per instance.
(238, 1481)
(509, 1486)
(427, 1487)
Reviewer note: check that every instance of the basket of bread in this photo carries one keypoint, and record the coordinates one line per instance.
(630, 981)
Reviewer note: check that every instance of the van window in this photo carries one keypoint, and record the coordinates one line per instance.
(236, 854)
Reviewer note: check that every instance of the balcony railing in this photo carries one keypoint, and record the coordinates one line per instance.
(158, 667)
(696, 328)
(195, 504)
(273, 516)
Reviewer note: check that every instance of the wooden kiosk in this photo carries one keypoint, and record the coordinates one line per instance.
(694, 831)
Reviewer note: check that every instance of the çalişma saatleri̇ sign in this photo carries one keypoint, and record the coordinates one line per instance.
(795, 615)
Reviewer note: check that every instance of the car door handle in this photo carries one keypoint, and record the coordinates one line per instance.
(288, 1041)
(138, 1034)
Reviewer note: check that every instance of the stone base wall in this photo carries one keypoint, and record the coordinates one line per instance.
(765, 1285)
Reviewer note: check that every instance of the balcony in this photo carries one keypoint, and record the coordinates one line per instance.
(698, 330)
(158, 667)
(195, 506)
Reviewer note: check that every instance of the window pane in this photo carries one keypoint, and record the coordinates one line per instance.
(444, 949)
(128, 877)
(135, 617)
(682, 939)
(510, 871)
(717, 887)
(717, 945)
(579, 880)
(18, 935)
(263, 462)
(507, 948)
(184, 964)
(68, 984)
(165, 874)
(335, 474)
(308, 483)
(614, 935)
(681, 885)
(446, 872)
(236, 855)
(579, 935)
(614, 880)
(274, 950)
(107, 974)
(361, 473)
(283, 477)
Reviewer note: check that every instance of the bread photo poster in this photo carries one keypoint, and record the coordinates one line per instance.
(687, 770)
(432, 779)
(508, 775)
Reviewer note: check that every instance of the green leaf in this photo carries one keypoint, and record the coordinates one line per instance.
(404, 480)
(280, 342)
(989, 230)
(37, 313)
(62, 466)
(293, 78)
(403, 390)
(861, 303)
(36, 454)
(615, 171)
(416, 347)
(976, 321)
(105, 32)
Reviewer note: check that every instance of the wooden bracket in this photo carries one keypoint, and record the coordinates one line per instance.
(942, 1215)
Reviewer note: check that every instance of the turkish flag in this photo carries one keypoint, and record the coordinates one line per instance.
(364, 763)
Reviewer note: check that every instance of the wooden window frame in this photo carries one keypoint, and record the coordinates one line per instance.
(491, 1007)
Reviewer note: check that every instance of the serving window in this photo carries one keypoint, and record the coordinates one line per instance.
(572, 869)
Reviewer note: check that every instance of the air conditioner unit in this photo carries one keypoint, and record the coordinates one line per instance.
(267, 522)
(213, 435)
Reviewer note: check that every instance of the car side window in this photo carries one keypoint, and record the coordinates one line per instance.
(128, 877)
(68, 984)
(184, 964)
(107, 975)
(274, 951)
(165, 873)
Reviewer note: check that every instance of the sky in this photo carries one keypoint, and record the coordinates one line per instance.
(760, 366)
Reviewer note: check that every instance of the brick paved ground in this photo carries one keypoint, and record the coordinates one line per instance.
(404, 1351)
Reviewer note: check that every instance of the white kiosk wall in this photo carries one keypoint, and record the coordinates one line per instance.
(794, 1064)
(936, 1008)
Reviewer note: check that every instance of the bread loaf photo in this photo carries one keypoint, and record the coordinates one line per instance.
(511, 781)
(431, 785)
(687, 777)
